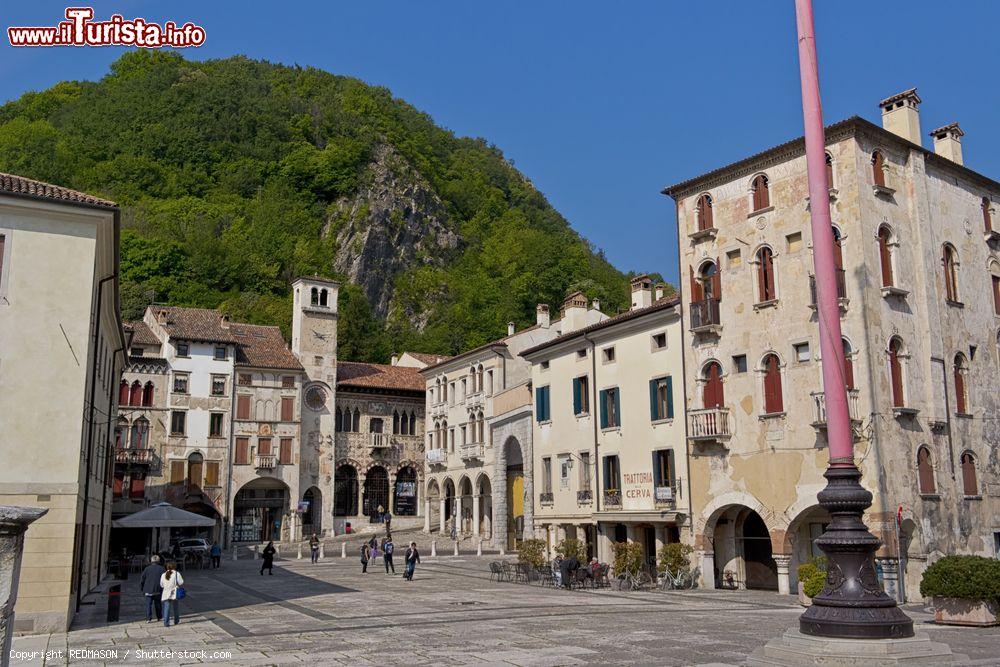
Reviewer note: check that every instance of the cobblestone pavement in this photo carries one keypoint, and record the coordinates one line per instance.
(451, 614)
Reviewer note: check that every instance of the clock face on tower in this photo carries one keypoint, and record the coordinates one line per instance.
(315, 398)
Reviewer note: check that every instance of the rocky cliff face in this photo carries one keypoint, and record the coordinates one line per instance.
(394, 223)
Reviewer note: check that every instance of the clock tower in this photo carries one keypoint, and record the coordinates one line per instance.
(314, 342)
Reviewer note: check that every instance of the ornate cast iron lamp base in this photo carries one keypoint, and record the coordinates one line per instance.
(852, 604)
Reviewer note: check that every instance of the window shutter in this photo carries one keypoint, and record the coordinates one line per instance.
(137, 487)
(656, 470)
(243, 407)
(885, 257)
(761, 276)
(670, 397)
(287, 409)
(654, 411)
(119, 483)
(959, 391)
(176, 472)
(769, 275)
(696, 294)
(211, 473)
(896, 375)
(242, 450)
(264, 446)
(618, 407)
(286, 450)
(671, 472)
(577, 401)
(604, 409)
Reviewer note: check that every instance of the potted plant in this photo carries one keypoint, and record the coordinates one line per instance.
(572, 547)
(965, 590)
(532, 554)
(812, 576)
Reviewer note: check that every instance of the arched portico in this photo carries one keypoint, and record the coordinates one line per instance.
(741, 549)
(433, 507)
(261, 510)
(465, 503)
(312, 517)
(482, 510)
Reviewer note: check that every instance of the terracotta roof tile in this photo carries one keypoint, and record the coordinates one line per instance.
(195, 324)
(141, 333)
(427, 358)
(379, 376)
(262, 347)
(19, 185)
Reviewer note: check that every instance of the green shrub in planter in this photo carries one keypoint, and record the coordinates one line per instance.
(628, 557)
(531, 552)
(812, 574)
(675, 557)
(966, 577)
(571, 547)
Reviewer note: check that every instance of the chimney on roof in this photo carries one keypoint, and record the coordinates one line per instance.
(901, 116)
(661, 289)
(642, 292)
(161, 317)
(395, 359)
(948, 142)
(510, 328)
(542, 315)
(595, 304)
(574, 312)
(224, 321)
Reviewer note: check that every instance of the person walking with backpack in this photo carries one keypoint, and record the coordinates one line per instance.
(314, 548)
(268, 563)
(412, 558)
(149, 584)
(365, 555)
(171, 583)
(387, 549)
(216, 554)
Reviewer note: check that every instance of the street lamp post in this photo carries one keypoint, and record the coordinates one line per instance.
(852, 603)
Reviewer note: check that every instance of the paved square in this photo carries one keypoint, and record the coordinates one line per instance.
(451, 614)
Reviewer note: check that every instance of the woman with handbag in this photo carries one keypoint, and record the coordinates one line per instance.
(172, 584)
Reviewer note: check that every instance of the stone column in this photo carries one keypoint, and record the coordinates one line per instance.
(782, 561)
(661, 537)
(361, 502)
(458, 516)
(427, 515)
(14, 521)
(707, 569)
(475, 514)
(630, 532)
(441, 504)
(392, 496)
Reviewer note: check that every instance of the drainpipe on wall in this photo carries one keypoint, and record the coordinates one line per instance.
(230, 498)
(90, 439)
(109, 468)
(594, 411)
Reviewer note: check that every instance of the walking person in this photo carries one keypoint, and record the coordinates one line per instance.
(149, 584)
(314, 548)
(171, 583)
(388, 524)
(365, 554)
(387, 549)
(412, 558)
(216, 554)
(268, 563)
(381, 513)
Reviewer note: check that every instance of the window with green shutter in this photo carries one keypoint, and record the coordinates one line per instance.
(581, 395)
(542, 413)
(611, 408)
(661, 398)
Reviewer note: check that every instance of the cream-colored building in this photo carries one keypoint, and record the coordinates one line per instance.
(609, 459)
(919, 287)
(62, 348)
(477, 463)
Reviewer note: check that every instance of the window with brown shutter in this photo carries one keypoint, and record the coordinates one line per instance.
(712, 394)
(961, 398)
(242, 451)
(119, 484)
(285, 451)
(696, 291)
(773, 402)
(287, 408)
(704, 207)
(987, 221)
(996, 294)
(885, 256)
(765, 275)
(925, 472)
(243, 406)
(896, 373)
(137, 486)
(848, 366)
(950, 263)
(878, 169)
(970, 486)
(829, 171)
(177, 472)
(263, 446)
(211, 473)
(761, 196)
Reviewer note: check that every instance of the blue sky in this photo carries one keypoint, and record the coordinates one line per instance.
(599, 104)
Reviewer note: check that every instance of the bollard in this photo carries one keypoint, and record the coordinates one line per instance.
(256, 551)
(343, 549)
(321, 551)
(299, 555)
(502, 552)
(456, 547)
(479, 547)
(277, 551)
(235, 552)
(114, 602)
(434, 548)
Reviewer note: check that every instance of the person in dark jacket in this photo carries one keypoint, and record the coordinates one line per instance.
(568, 569)
(149, 584)
(387, 548)
(268, 564)
(412, 558)
(314, 548)
(216, 554)
(365, 555)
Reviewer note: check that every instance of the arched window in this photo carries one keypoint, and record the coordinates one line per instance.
(773, 402)
(123, 393)
(950, 262)
(961, 391)
(878, 169)
(413, 423)
(987, 218)
(848, 366)
(338, 423)
(765, 275)
(356, 421)
(121, 433)
(322, 297)
(829, 171)
(482, 428)
(314, 300)
(135, 396)
(479, 376)
(395, 423)
(925, 471)
(147, 395)
(707, 284)
(896, 372)
(704, 209)
(995, 285)
(712, 392)
(838, 249)
(761, 196)
(195, 464)
(140, 434)
(970, 485)
(885, 255)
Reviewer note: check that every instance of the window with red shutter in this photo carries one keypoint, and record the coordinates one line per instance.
(925, 471)
(829, 171)
(147, 395)
(896, 373)
(123, 393)
(848, 366)
(242, 451)
(885, 256)
(285, 451)
(263, 446)
(987, 218)
(961, 399)
(696, 290)
(765, 275)
(135, 398)
(878, 169)
(712, 395)
(761, 196)
(773, 402)
(970, 485)
(119, 484)
(705, 213)
(137, 486)
(287, 408)
(243, 406)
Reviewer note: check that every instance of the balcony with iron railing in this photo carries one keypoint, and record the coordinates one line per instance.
(709, 424)
(141, 456)
(819, 407)
(584, 497)
(612, 498)
(841, 289)
(705, 316)
(265, 461)
(546, 498)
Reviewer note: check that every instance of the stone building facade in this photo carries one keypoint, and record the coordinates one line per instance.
(919, 288)
(62, 349)
(610, 457)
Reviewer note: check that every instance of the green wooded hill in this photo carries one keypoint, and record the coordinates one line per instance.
(235, 176)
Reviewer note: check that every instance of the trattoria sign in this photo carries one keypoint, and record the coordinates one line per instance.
(637, 490)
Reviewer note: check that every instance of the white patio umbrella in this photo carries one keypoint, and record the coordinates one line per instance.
(163, 515)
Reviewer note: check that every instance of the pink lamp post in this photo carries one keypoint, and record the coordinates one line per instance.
(852, 603)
